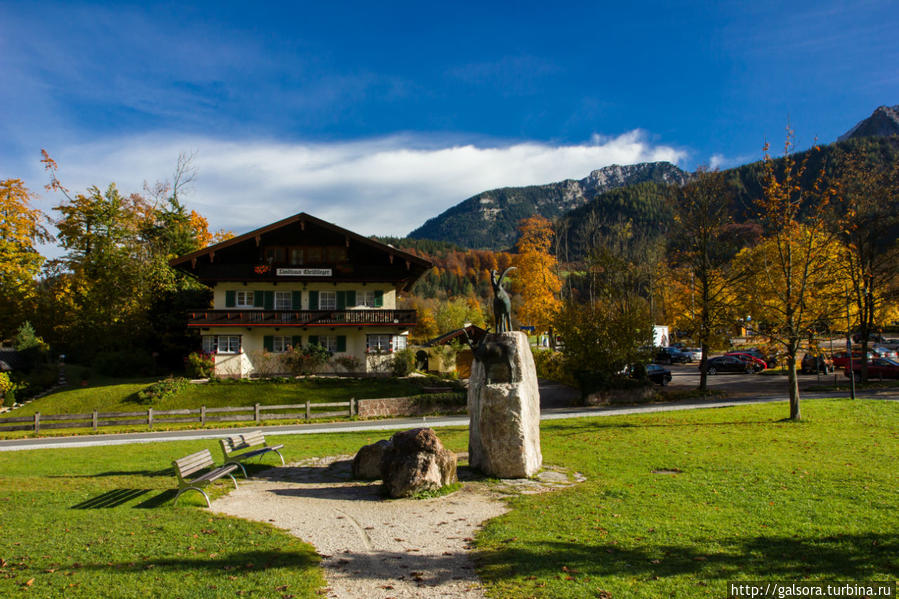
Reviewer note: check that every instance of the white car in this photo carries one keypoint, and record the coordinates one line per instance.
(695, 353)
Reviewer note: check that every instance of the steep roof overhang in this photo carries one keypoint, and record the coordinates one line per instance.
(415, 266)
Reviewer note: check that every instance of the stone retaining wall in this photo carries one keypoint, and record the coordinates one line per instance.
(404, 406)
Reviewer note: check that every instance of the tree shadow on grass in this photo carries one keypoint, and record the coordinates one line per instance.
(236, 562)
(848, 557)
(338, 471)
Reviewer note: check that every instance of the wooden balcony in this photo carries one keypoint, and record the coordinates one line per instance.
(302, 318)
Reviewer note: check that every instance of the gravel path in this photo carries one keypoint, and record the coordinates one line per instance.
(372, 547)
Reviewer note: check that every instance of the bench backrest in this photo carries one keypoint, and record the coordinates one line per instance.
(242, 441)
(193, 463)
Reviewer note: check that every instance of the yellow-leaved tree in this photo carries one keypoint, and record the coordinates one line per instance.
(538, 280)
(21, 229)
(794, 275)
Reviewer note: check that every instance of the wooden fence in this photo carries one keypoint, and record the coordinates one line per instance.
(149, 417)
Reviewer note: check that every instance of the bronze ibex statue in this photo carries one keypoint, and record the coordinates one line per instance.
(502, 305)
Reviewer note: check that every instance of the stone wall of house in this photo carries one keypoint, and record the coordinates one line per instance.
(404, 406)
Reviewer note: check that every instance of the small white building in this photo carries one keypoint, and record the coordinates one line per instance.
(301, 281)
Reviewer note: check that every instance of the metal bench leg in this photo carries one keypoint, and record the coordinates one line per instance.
(201, 491)
(280, 456)
(244, 470)
(233, 480)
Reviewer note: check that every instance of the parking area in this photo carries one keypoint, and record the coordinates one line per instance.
(686, 376)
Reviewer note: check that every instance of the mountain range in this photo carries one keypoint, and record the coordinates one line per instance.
(489, 220)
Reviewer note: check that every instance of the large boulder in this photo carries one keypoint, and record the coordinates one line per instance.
(416, 460)
(504, 408)
(367, 463)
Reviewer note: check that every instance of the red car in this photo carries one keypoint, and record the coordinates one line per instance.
(878, 368)
(757, 364)
(841, 358)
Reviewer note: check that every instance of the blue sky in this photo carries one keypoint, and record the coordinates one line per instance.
(377, 116)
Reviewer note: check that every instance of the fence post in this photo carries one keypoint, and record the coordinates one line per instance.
(352, 401)
(203, 415)
(256, 413)
(150, 417)
(308, 410)
(95, 420)
(37, 421)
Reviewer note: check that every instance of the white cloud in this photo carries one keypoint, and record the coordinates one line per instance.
(384, 186)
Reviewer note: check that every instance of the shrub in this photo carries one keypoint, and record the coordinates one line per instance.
(306, 360)
(199, 365)
(7, 389)
(131, 363)
(348, 363)
(551, 365)
(379, 362)
(162, 390)
(267, 364)
(403, 362)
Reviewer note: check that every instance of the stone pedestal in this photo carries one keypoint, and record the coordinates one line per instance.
(504, 407)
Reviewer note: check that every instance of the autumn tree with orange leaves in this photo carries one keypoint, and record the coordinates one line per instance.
(538, 281)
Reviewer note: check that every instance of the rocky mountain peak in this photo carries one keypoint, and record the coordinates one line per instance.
(882, 123)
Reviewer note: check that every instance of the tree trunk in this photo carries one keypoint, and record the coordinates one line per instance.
(703, 369)
(793, 382)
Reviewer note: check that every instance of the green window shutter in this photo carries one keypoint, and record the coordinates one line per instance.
(268, 343)
(313, 301)
(350, 298)
(296, 341)
(269, 303)
(379, 298)
(341, 300)
(341, 343)
(258, 299)
(296, 298)
(230, 298)
(313, 339)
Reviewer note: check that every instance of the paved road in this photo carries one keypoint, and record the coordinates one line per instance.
(547, 413)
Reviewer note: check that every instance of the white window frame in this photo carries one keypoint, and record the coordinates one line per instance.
(366, 298)
(370, 348)
(283, 300)
(243, 299)
(329, 342)
(213, 344)
(327, 300)
(399, 342)
(280, 344)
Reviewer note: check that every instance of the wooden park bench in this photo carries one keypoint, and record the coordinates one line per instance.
(234, 448)
(197, 462)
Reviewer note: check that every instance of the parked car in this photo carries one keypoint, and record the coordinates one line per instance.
(812, 364)
(728, 364)
(670, 355)
(695, 353)
(885, 352)
(757, 364)
(658, 374)
(769, 360)
(878, 368)
(841, 358)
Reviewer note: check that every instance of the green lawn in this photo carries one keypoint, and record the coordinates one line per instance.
(119, 395)
(98, 522)
(739, 495)
(746, 497)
